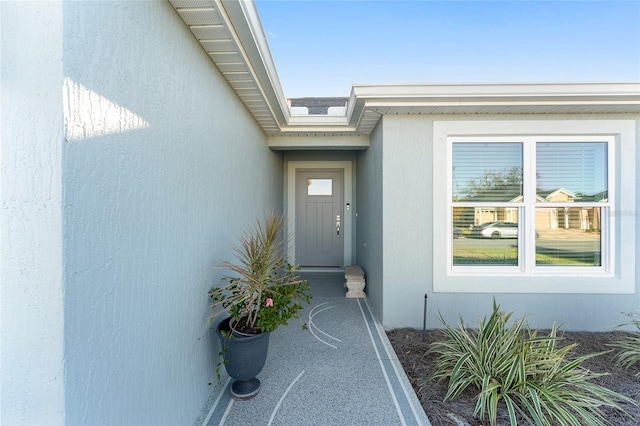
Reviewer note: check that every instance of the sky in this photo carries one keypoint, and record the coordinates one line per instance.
(323, 47)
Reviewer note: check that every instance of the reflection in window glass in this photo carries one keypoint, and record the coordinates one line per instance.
(568, 236)
(571, 172)
(560, 217)
(492, 242)
(487, 172)
(319, 186)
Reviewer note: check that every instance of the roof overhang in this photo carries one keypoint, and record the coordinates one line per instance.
(231, 34)
(369, 102)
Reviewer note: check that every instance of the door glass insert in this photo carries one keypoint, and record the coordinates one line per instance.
(319, 186)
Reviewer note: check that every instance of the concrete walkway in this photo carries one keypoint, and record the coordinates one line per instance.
(342, 371)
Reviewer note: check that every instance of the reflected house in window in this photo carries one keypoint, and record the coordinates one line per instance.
(584, 218)
(469, 216)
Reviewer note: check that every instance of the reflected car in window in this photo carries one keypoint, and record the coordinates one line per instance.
(457, 233)
(495, 230)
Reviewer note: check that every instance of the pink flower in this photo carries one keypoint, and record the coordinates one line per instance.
(269, 301)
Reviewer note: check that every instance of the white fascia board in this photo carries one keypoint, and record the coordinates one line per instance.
(315, 120)
(245, 22)
(514, 93)
(502, 102)
(319, 129)
(319, 142)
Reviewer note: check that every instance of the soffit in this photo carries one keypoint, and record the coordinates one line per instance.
(231, 34)
(210, 23)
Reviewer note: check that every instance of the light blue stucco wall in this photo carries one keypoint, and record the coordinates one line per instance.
(407, 219)
(369, 220)
(409, 252)
(131, 166)
(31, 281)
(150, 208)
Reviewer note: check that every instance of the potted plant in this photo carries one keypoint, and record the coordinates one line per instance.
(262, 293)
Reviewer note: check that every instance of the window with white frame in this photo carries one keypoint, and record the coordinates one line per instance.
(534, 206)
(530, 203)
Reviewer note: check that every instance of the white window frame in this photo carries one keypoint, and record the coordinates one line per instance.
(527, 209)
(617, 273)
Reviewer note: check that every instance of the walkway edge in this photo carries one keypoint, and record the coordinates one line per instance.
(409, 406)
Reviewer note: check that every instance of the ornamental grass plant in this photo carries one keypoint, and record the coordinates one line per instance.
(263, 291)
(629, 347)
(533, 375)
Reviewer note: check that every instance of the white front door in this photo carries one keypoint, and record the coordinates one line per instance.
(319, 218)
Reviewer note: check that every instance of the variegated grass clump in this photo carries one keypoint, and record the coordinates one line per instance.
(629, 347)
(532, 375)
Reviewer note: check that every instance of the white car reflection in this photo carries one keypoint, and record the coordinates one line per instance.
(495, 230)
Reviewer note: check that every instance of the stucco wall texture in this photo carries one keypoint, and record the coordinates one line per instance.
(31, 286)
(158, 167)
(369, 223)
(409, 251)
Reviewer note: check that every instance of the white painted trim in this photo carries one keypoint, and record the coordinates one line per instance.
(290, 202)
(242, 22)
(620, 279)
(527, 208)
(516, 93)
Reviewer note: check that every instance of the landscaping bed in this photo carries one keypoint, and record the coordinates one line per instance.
(418, 365)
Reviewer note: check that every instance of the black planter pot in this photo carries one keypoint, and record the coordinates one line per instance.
(244, 355)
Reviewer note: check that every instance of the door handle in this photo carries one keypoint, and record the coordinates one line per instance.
(337, 225)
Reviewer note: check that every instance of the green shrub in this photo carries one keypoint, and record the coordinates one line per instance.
(629, 347)
(265, 292)
(532, 375)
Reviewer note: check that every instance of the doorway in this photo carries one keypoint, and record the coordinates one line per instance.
(319, 218)
(312, 213)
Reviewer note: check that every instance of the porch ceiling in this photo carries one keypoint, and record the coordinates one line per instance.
(231, 34)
